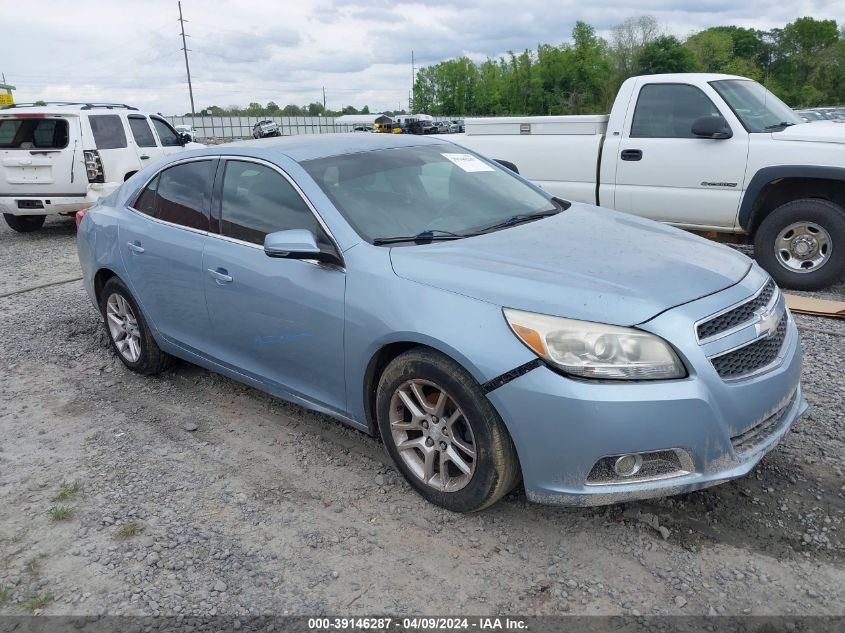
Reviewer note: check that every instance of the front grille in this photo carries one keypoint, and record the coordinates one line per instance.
(752, 357)
(759, 434)
(737, 316)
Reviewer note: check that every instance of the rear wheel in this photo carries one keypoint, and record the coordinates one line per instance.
(445, 437)
(802, 244)
(128, 331)
(24, 223)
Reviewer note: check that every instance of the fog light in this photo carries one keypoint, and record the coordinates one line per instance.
(628, 465)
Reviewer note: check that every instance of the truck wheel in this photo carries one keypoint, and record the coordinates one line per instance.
(24, 223)
(802, 244)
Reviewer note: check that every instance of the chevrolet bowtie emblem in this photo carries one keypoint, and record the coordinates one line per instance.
(768, 323)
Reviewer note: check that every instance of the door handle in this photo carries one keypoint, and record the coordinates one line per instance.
(145, 158)
(632, 154)
(221, 275)
(135, 247)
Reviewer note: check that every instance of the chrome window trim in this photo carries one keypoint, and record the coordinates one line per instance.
(778, 360)
(769, 306)
(248, 159)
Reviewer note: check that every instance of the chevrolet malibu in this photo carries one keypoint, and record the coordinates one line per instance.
(487, 331)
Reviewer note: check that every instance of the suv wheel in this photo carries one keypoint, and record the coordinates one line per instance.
(128, 331)
(802, 244)
(24, 223)
(445, 437)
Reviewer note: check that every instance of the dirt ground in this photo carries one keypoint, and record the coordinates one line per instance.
(190, 494)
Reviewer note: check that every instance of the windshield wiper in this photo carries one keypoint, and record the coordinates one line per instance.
(425, 237)
(517, 219)
(774, 126)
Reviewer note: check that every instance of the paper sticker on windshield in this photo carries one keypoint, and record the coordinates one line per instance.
(468, 162)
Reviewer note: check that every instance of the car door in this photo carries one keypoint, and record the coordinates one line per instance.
(146, 145)
(167, 136)
(280, 321)
(161, 241)
(666, 173)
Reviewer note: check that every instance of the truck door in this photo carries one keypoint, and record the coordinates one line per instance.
(169, 138)
(666, 173)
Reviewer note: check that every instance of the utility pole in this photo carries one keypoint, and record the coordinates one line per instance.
(185, 50)
(413, 81)
(324, 98)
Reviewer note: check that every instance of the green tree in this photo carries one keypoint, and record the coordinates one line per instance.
(292, 110)
(272, 108)
(316, 109)
(665, 55)
(713, 50)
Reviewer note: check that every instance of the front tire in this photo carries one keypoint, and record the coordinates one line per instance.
(24, 223)
(802, 244)
(128, 331)
(443, 434)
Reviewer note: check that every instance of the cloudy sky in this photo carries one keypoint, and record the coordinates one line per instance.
(253, 50)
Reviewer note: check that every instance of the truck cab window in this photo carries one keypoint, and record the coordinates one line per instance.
(668, 110)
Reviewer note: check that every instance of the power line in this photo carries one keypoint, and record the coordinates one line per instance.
(185, 50)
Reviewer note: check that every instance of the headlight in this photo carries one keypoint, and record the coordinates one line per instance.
(595, 350)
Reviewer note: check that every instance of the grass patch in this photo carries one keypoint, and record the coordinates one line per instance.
(33, 565)
(5, 595)
(67, 491)
(38, 602)
(128, 530)
(60, 513)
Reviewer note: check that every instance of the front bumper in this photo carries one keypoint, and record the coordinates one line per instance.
(54, 205)
(563, 427)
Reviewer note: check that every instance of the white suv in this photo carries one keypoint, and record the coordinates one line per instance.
(57, 158)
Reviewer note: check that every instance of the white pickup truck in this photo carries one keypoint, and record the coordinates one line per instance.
(705, 152)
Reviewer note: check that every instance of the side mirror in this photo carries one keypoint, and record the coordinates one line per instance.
(184, 138)
(297, 244)
(711, 127)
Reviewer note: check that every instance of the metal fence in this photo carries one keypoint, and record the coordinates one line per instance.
(227, 128)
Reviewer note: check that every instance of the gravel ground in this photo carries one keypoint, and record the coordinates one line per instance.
(191, 494)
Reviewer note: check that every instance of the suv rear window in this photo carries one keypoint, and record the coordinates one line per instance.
(108, 131)
(35, 133)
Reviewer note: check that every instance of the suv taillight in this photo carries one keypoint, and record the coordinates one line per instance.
(94, 166)
(79, 216)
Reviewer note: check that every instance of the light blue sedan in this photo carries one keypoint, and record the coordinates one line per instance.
(487, 331)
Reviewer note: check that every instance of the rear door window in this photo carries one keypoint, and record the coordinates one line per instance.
(146, 202)
(141, 131)
(183, 194)
(34, 133)
(108, 131)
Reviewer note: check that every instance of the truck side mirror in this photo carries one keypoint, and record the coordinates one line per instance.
(713, 126)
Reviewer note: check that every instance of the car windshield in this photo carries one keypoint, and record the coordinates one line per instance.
(759, 109)
(430, 189)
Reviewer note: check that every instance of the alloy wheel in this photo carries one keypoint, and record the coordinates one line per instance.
(123, 327)
(432, 435)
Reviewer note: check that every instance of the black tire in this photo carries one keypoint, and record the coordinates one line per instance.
(24, 223)
(496, 466)
(152, 360)
(829, 216)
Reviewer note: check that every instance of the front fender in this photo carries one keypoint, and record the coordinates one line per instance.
(767, 175)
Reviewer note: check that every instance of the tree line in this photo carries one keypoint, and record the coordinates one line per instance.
(272, 109)
(803, 63)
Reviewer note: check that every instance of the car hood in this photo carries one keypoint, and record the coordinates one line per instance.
(585, 263)
(817, 132)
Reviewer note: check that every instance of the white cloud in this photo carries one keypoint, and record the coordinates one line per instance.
(286, 52)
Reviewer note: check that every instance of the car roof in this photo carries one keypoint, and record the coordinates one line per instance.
(311, 146)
